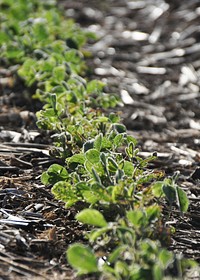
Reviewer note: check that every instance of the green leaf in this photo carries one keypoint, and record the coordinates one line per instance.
(82, 259)
(96, 176)
(93, 156)
(130, 150)
(45, 178)
(90, 197)
(28, 63)
(182, 199)
(135, 217)
(119, 174)
(96, 233)
(71, 97)
(121, 268)
(153, 212)
(116, 253)
(118, 140)
(114, 118)
(94, 86)
(157, 189)
(14, 53)
(103, 159)
(157, 272)
(106, 143)
(112, 165)
(165, 258)
(98, 141)
(4, 38)
(170, 193)
(130, 139)
(120, 128)
(81, 187)
(91, 217)
(40, 31)
(59, 73)
(77, 158)
(55, 173)
(53, 101)
(63, 191)
(128, 168)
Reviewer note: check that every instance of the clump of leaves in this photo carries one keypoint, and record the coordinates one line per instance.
(28, 28)
(125, 248)
(102, 166)
(173, 193)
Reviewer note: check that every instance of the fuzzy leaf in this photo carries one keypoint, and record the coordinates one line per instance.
(157, 272)
(135, 217)
(94, 86)
(91, 217)
(118, 140)
(114, 118)
(82, 259)
(93, 156)
(116, 253)
(170, 193)
(130, 139)
(182, 199)
(63, 191)
(59, 73)
(165, 258)
(98, 142)
(77, 158)
(112, 165)
(54, 173)
(128, 168)
(96, 176)
(96, 233)
(157, 189)
(120, 128)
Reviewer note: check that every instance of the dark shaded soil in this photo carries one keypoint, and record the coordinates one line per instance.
(149, 53)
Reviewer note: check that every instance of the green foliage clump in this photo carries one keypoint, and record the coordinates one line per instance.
(101, 167)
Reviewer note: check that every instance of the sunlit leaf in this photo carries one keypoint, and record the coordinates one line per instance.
(82, 259)
(131, 139)
(128, 168)
(157, 189)
(54, 173)
(91, 217)
(59, 73)
(157, 272)
(98, 142)
(77, 158)
(116, 253)
(64, 191)
(93, 155)
(165, 258)
(118, 140)
(94, 86)
(96, 176)
(112, 165)
(135, 217)
(114, 118)
(96, 233)
(183, 200)
(153, 212)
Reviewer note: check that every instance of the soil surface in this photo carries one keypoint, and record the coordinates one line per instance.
(148, 52)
